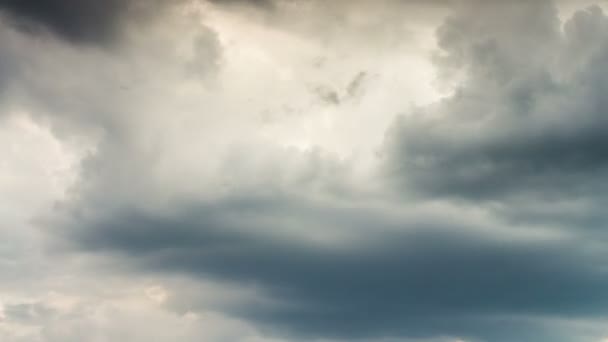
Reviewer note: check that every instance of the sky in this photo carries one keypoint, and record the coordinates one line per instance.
(303, 170)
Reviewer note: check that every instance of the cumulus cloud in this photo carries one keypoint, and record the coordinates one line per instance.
(238, 165)
(528, 117)
(350, 273)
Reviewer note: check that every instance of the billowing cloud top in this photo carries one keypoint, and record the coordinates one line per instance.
(303, 171)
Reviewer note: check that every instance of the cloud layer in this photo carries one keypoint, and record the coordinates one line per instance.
(528, 116)
(285, 171)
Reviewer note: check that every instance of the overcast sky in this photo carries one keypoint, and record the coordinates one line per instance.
(303, 170)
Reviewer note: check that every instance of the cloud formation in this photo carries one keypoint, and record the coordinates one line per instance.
(377, 276)
(528, 117)
(79, 21)
(245, 166)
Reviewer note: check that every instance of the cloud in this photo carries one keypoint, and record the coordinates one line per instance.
(338, 265)
(373, 275)
(127, 313)
(75, 20)
(528, 117)
(202, 155)
(102, 22)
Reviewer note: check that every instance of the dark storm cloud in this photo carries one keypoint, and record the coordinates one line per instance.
(394, 278)
(89, 21)
(510, 128)
(76, 20)
(101, 21)
(529, 117)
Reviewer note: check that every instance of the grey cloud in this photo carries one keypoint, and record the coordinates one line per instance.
(6, 74)
(91, 22)
(529, 117)
(78, 90)
(388, 278)
(327, 95)
(346, 266)
(96, 21)
(355, 86)
(332, 96)
(76, 20)
(29, 313)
